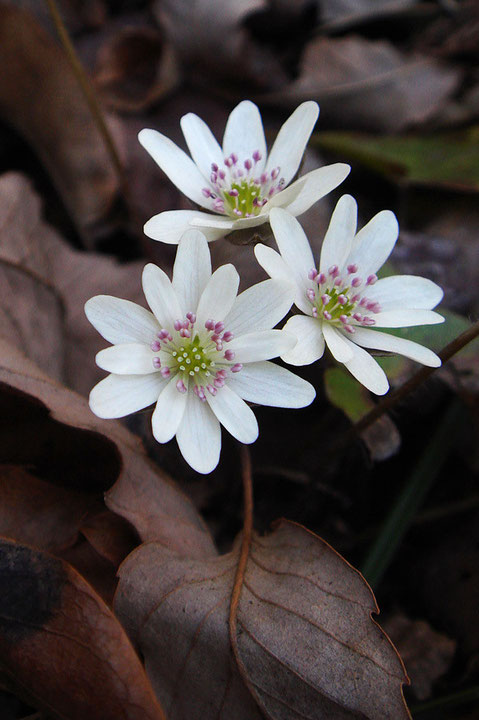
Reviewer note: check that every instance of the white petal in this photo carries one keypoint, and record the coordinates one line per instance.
(120, 395)
(218, 296)
(293, 246)
(161, 296)
(199, 435)
(374, 243)
(202, 144)
(340, 233)
(382, 341)
(275, 266)
(169, 412)
(304, 192)
(217, 222)
(310, 340)
(260, 307)
(337, 343)
(407, 318)
(127, 359)
(234, 414)
(406, 291)
(176, 164)
(367, 371)
(261, 345)
(169, 226)
(244, 133)
(288, 148)
(192, 269)
(121, 321)
(265, 383)
(243, 223)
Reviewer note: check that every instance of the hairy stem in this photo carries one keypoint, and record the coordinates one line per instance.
(245, 542)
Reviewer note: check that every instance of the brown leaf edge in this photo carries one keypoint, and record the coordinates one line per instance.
(246, 542)
(62, 647)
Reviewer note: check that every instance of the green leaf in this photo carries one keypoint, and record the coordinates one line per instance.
(449, 160)
(346, 393)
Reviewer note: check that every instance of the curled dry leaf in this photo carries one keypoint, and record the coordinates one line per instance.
(45, 284)
(369, 84)
(306, 643)
(135, 68)
(52, 430)
(41, 99)
(62, 645)
(39, 513)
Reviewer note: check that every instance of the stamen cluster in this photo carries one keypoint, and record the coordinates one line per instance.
(240, 191)
(338, 299)
(195, 356)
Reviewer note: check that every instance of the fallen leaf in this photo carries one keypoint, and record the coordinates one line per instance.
(369, 84)
(216, 46)
(348, 12)
(39, 513)
(305, 638)
(46, 284)
(135, 68)
(447, 160)
(428, 654)
(52, 430)
(62, 645)
(40, 97)
(382, 437)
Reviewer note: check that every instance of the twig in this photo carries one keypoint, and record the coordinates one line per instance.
(87, 90)
(397, 395)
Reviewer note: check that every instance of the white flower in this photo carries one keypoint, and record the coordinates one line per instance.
(344, 299)
(199, 354)
(239, 183)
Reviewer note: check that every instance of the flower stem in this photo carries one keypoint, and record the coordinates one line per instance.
(397, 395)
(87, 90)
(412, 496)
(245, 544)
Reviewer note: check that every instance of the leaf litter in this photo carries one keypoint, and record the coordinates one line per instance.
(57, 460)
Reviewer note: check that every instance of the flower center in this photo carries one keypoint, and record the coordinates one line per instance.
(195, 356)
(341, 299)
(241, 191)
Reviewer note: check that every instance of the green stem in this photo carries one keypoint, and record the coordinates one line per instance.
(87, 90)
(412, 496)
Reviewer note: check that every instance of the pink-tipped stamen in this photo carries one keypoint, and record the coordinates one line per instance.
(180, 386)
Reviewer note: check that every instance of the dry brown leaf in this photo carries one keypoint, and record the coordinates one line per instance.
(215, 44)
(62, 645)
(41, 99)
(369, 84)
(135, 68)
(343, 13)
(45, 285)
(307, 645)
(39, 513)
(427, 653)
(52, 430)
